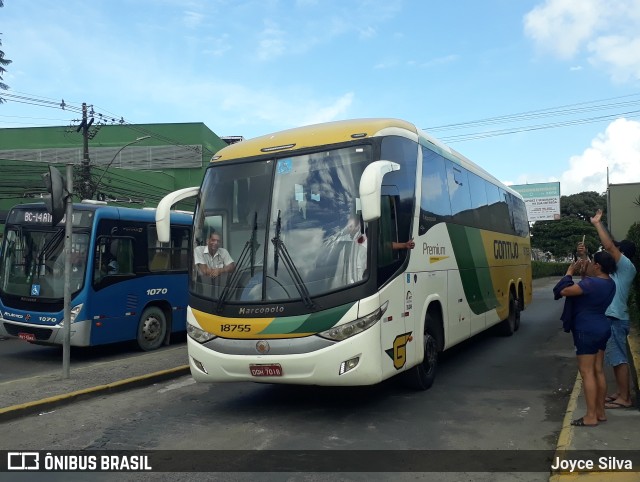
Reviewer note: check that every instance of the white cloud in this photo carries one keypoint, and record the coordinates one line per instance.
(192, 19)
(618, 149)
(367, 32)
(217, 46)
(271, 44)
(617, 54)
(562, 26)
(606, 31)
(330, 112)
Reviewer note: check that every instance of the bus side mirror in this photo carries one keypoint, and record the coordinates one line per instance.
(370, 188)
(56, 200)
(163, 211)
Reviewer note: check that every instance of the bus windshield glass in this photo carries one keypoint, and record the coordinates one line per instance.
(33, 261)
(290, 225)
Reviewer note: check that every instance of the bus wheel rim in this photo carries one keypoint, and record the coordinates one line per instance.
(151, 328)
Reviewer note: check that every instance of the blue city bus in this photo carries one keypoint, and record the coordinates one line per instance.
(125, 284)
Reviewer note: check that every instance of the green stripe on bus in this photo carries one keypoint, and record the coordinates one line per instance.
(470, 254)
(325, 319)
(282, 326)
(313, 323)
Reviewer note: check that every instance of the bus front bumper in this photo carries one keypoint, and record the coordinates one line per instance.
(46, 335)
(321, 367)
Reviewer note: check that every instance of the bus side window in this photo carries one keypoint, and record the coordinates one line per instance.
(161, 261)
(101, 255)
(388, 231)
(124, 256)
(113, 256)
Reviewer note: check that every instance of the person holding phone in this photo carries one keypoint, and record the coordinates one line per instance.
(591, 329)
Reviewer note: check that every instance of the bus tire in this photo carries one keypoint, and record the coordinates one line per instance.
(152, 329)
(509, 325)
(422, 376)
(518, 311)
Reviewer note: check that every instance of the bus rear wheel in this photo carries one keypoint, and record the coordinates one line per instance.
(511, 324)
(152, 329)
(422, 376)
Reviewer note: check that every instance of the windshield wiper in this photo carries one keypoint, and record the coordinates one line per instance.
(254, 245)
(51, 245)
(280, 251)
(248, 253)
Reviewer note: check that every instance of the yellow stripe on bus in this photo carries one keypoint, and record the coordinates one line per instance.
(243, 328)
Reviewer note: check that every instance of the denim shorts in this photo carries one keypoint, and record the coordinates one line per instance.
(616, 352)
(589, 343)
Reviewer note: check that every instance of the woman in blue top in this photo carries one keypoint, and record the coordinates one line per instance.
(591, 329)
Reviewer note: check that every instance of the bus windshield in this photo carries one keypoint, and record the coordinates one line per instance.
(34, 259)
(291, 225)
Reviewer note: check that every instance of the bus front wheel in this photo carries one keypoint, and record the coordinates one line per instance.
(152, 328)
(422, 376)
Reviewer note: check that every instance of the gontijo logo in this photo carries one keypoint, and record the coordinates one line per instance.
(505, 249)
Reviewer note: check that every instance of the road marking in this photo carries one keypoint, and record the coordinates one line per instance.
(176, 386)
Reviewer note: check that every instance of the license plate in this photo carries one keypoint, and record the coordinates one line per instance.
(27, 336)
(273, 370)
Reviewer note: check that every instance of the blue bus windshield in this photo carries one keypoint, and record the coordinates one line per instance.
(34, 259)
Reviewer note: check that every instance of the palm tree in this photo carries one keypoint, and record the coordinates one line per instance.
(3, 62)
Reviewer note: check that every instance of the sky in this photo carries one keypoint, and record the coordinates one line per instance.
(531, 90)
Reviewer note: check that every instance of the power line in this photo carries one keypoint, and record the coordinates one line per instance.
(564, 110)
(515, 130)
(580, 108)
(102, 118)
(546, 112)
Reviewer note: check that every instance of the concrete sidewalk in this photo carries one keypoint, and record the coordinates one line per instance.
(620, 434)
(41, 393)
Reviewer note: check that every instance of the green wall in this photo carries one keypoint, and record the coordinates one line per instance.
(24, 153)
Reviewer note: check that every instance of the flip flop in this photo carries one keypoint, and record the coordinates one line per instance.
(610, 398)
(580, 423)
(616, 405)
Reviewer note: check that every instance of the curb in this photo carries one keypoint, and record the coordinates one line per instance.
(566, 434)
(633, 343)
(22, 409)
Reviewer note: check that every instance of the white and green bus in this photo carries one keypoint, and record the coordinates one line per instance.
(325, 290)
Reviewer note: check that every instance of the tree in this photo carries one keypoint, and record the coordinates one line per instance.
(582, 205)
(3, 63)
(562, 236)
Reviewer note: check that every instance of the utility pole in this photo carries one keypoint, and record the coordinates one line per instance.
(85, 189)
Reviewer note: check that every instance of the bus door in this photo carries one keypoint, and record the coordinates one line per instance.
(396, 329)
(459, 322)
(115, 304)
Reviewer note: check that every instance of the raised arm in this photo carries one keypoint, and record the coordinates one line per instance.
(574, 289)
(605, 239)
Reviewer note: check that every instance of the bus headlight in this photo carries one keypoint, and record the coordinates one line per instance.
(199, 335)
(342, 332)
(75, 311)
(73, 314)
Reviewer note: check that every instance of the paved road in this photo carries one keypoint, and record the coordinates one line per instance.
(492, 393)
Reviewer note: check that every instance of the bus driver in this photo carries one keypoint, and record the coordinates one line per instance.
(212, 260)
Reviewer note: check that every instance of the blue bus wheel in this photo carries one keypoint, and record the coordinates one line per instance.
(152, 328)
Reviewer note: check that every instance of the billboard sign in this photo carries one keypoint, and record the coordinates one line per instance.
(542, 200)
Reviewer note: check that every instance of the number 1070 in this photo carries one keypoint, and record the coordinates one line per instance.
(157, 291)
